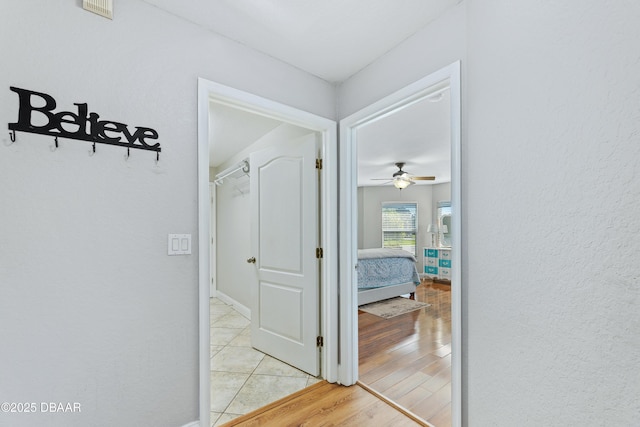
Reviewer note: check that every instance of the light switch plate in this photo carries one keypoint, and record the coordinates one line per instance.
(179, 244)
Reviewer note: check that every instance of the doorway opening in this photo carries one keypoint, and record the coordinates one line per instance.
(290, 121)
(352, 130)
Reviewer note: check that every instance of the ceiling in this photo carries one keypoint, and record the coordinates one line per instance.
(333, 40)
(418, 135)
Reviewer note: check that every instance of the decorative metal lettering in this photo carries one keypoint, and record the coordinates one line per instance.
(83, 125)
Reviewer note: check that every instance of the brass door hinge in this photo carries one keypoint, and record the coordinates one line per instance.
(320, 341)
(318, 163)
(319, 253)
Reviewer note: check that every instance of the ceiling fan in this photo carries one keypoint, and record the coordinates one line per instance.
(402, 179)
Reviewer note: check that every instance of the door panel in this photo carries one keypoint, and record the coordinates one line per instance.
(280, 217)
(284, 205)
(285, 323)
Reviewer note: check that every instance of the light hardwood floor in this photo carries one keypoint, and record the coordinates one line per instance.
(408, 358)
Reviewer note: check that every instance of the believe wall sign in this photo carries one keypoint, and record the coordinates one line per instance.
(37, 115)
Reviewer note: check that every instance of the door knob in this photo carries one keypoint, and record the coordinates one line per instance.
(251, 260)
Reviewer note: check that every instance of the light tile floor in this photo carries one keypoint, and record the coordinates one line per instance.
(244, 379)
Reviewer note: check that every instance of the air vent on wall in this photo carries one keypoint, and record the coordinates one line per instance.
(101, 7)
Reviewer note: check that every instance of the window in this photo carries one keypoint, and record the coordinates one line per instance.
(399, 225)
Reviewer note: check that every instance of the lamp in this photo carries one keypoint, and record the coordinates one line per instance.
(432, 229)
(401, 182)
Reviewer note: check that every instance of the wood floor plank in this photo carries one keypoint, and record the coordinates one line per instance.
(399, 367)
(341, 404)
(437, 366)
(402, 370)
(433, 404)
(443, 417)
(438, 381)
(410, 383)
(413, 398)
(372, 416)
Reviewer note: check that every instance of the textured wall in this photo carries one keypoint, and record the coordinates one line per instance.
(553, 195)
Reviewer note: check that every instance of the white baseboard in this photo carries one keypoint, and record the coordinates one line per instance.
(192, 424)
(245, 311)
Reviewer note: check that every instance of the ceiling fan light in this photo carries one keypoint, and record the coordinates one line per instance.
(401, 182)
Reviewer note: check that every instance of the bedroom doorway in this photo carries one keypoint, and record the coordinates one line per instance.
(353, 134)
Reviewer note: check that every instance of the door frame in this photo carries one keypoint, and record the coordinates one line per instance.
(213, 285)
(348, 221)
(207, 91)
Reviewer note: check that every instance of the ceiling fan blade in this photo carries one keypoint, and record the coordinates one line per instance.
(423, 178)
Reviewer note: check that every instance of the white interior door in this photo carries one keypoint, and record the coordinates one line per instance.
(284, 234)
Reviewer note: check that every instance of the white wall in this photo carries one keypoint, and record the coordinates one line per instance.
(233, 245)
(232, 273)
(550, 156)
(93, 310)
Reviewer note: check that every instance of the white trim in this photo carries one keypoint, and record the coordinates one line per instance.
(204, 275)
(242, 309)
(193, 424)
(208, 90)
(213, 284)
(455, 95)
(446, 77)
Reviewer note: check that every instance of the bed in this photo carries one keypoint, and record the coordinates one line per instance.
(385, 273)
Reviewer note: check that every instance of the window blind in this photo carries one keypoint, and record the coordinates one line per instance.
(399, 225)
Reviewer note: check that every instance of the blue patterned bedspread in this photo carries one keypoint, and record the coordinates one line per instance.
(394, 268)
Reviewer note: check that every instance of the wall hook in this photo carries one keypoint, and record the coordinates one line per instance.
(93, 150)
(12, 136)
(157, 157)
(54, 148)
(126, 156)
